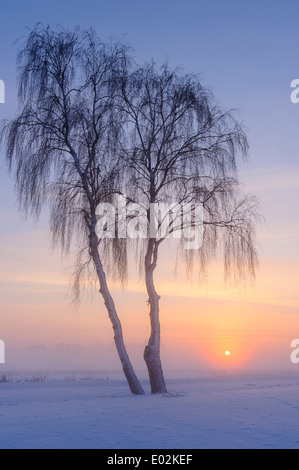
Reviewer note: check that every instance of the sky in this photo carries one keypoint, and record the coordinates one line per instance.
(246, 53)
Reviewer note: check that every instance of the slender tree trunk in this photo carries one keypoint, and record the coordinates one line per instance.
(130, 375)
(152, 350)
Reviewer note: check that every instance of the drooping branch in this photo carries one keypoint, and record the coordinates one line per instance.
(61, 149)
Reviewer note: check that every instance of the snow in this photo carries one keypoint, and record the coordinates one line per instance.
(200, 411)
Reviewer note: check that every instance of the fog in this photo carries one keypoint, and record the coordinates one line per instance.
(103, 359)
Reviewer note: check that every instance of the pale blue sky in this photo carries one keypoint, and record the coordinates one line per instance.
(245, 51)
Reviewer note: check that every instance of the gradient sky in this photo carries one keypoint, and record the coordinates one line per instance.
(246, 52)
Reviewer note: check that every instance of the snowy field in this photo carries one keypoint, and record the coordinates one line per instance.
(97, 411)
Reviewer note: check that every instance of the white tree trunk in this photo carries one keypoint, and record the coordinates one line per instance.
(131, 377)
(152, 350)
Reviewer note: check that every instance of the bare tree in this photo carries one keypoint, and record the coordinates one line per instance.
(61, 148)
(89, 130)
(180, 147)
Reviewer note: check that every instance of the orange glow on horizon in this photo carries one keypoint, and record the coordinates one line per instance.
(222, 351)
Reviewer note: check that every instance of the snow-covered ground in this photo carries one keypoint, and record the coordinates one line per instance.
(94, 411)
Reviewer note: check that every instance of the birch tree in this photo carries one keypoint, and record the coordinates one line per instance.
(60, 149)
(181, 148)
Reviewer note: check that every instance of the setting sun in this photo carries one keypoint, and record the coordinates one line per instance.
(227, 353)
